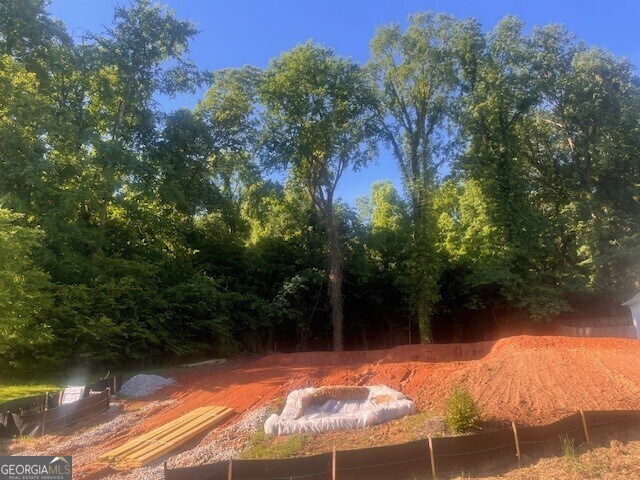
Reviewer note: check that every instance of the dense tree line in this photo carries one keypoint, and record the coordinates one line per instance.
(129, 235)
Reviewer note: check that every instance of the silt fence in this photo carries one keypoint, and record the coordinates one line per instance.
(429, 458)
(40, 414)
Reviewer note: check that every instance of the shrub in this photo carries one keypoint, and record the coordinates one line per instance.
(461, 410)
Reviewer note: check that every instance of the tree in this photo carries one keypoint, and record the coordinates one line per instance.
(382, 266)
(318, 123)
(22, 111)
(228, 109)
(24, 292)
(586, 158)
(389, 233)
(502, 91)
(129, 66)
(416, 73)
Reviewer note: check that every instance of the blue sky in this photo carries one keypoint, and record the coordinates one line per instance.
(251, 32)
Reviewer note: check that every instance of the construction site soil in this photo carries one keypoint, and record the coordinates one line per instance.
(530, 380)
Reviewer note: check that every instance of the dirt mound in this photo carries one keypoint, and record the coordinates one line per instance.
(532, 380)
(438, 353)
(324, 359)
(455, 352)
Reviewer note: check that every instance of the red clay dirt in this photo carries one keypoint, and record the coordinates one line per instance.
(531, 380)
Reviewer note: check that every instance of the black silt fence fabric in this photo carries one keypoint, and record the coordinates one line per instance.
(452, 455)
(315, 467)
(66, 415)
(49, 421)
(13, 425)
(469, 453)
(405, 461)
(546, 439)
(112, 383)
(24, 416)
(27, 425)
(214, 471)
(6, 425)
(27, 405)
(606, 422)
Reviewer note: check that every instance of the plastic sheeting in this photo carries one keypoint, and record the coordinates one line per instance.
(302, 415)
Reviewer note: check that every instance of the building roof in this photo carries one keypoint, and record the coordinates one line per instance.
(633, 301)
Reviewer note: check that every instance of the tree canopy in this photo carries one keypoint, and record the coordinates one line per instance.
(129, 235)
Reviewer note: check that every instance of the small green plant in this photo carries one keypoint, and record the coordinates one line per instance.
(568, 448)
(461, 410)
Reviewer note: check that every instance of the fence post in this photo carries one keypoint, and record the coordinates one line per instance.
(46, 401)
(114, 385)
(333, 463)
(433, 459)
(515, 437)
(230, 470)
(584, 426)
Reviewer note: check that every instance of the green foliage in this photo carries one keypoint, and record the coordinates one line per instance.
(461, 411)
(128, 235)
(25, 294)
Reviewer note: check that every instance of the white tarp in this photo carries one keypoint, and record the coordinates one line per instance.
(302, 415)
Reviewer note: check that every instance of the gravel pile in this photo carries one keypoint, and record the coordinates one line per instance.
(142, 385)
(220, 444)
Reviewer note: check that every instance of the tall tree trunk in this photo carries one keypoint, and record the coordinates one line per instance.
(425, 268)
(334, 264)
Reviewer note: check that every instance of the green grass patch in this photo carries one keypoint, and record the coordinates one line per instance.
(12, 390)
(263, 446)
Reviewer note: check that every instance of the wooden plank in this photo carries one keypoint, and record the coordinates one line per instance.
(215, 361)
(186, 435)
(153, 444)
(163, 448)
(166, 435)
(169, 437)
(123, 448)
(136, 443)
(132, 444)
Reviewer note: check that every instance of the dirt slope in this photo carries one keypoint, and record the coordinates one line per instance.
(532, 380)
